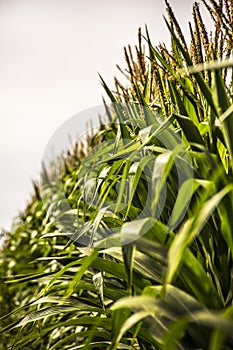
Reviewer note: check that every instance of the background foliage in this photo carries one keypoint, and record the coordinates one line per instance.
(171, 286)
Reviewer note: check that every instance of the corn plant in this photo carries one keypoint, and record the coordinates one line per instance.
(134, 250)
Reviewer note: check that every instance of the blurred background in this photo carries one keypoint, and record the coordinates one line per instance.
(50, 54)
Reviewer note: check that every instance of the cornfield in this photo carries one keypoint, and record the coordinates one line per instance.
(131, 246)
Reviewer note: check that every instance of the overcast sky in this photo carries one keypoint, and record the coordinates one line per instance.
(50, 54)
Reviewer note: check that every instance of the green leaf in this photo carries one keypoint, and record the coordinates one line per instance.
(127, 252)
(190, 230)
(182, 202)
(190, 130)
(85, 264)
(128, 324)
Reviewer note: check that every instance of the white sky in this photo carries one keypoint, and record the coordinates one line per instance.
(50, 53)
